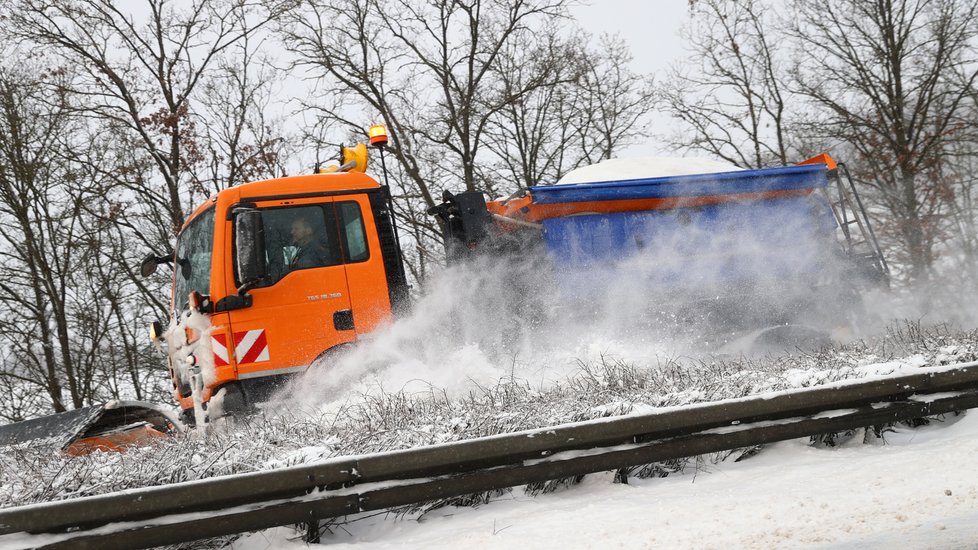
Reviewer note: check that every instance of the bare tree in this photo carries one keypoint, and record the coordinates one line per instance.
(612, 101)
(589, 107)
(730, 97)
(46, 312)
(535, 137)
(142, 74)
(890, 78)
(428, 71)
(240, 132)
(145, 97)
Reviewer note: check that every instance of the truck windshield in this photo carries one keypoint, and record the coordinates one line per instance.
(193, 259)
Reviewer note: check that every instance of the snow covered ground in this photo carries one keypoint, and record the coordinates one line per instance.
(915, 488)
(918, 488)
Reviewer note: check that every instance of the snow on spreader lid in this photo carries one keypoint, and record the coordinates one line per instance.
(644, 167)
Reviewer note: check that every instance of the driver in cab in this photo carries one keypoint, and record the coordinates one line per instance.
(311, 252)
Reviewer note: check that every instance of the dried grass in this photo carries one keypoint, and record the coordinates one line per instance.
(382, 421)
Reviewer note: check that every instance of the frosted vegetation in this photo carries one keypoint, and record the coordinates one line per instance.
(372, 421)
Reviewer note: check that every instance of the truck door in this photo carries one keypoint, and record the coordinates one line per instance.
(302, 308)
(365, 263)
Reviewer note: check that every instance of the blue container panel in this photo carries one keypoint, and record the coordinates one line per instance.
(695, 247)
(698, 185)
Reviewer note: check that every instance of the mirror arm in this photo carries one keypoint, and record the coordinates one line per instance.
(232, 302)
(245, 287)
(148, 266)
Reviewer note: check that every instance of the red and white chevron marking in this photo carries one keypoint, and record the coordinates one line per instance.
(250, 346)
(219, 345)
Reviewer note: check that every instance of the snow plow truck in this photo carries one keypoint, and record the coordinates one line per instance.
(270, 276)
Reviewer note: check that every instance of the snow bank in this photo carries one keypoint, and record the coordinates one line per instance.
(918, 490)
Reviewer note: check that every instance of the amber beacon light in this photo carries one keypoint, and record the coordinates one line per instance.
(378, 135)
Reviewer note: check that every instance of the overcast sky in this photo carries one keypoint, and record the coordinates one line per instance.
(651, 27)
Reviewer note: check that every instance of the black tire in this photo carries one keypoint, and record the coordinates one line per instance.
(789, 338)
(326, 358)
(188, 418)
(235, 402)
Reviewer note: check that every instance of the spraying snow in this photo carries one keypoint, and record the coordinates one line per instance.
(470, 329)
(188, 337)
(538, 316)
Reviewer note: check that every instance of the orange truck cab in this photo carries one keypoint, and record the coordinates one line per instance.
(271, 275)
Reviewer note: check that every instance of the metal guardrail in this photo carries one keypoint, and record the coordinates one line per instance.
(346, 485)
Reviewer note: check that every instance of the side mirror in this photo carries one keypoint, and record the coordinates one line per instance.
(186, 269)
(156, 332)
(249, 248)
(148, 266)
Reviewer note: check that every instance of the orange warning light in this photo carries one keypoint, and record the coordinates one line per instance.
(378, 135)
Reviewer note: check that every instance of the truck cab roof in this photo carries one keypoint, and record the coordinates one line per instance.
(305, 185)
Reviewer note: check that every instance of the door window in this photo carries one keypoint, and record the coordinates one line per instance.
(353, 233)
(312, 236)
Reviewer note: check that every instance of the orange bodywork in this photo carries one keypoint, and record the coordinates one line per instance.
(290, 323)
(824, 158)
(116, 442)
(523, 208)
